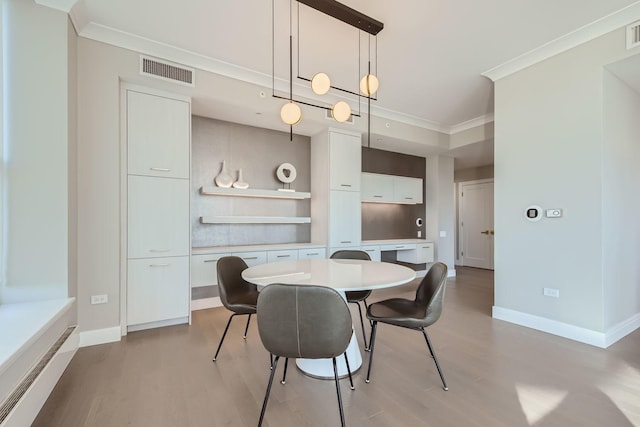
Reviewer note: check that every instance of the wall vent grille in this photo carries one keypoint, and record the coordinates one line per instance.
(166, 70)
(633, 35)
(15, 396)
(330, 117)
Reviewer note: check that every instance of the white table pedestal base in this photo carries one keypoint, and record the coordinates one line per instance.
(323, 368)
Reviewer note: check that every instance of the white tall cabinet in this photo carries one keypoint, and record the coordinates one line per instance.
(336, 163)
(157, 136)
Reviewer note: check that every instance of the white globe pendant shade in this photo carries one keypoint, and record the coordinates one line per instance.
(320, 83)
(290, 113)
(369, 84)
(341, 111)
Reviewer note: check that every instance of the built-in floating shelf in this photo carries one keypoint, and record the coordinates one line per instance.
(254, 192)
(255, 220)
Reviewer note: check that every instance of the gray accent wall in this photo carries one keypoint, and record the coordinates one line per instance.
(392, 221)
(258, 152)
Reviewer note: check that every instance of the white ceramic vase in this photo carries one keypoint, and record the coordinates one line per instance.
(223, 179)
(240, 183)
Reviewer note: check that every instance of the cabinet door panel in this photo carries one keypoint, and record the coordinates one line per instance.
(252, 258)
(345, 162)
(157, 289)
(158, 132)
(312, 253)
(284, 255)
(345, 219)
(376, 187)
(158, 224)
(203, 269)
(407, 190)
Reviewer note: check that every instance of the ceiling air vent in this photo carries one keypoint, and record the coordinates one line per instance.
(330, 117)
(633, 35)
(166, 70)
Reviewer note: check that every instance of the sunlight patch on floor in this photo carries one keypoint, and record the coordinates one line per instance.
(623, 389)
(537, 402)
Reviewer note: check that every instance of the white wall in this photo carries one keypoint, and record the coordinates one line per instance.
(548, 152)
(35, 157)
(621, 204)
(440, 208)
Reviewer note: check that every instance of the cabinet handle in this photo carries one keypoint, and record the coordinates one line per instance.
(313, 253)
(160, 250)
(408, 198)
(211, 260)
(160, 169)
(250, 257)
(399, 247)
(283, 256)
(346, 241)
(159, 265)
(377, 196)
(345, 185)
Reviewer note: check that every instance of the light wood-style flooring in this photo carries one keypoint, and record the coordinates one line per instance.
(499, 374)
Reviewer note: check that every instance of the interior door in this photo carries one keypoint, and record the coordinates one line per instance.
(476, 224)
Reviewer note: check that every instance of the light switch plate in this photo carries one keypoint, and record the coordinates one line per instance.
(553, 213)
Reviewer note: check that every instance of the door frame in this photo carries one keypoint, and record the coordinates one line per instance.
(459, 234)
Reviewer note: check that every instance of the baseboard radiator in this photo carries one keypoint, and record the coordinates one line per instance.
(23, 388)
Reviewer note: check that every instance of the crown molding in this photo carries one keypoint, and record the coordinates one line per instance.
(575, 38)
(470, 124)
(61, 5)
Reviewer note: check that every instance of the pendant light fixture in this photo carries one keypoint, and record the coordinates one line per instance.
(320, 83)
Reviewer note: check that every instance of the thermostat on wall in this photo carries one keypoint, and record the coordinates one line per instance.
(533, 213)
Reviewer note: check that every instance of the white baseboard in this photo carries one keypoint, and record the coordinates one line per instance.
(204, 303)
(451, 272)
(622, 329)
(100, 336)
(565, 330)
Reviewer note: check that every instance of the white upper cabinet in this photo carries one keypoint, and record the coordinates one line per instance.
(376, 187)
(158, 135)
(345, 161)
(407, 190)
(391, 189)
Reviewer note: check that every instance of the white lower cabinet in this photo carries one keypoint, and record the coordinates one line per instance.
(284, 255)
(373, 251)
(203, 269)
(422, 254)
(312, 253)
(156, 289)
(252, 258)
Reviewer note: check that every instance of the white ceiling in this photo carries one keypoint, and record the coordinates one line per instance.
(431, 53)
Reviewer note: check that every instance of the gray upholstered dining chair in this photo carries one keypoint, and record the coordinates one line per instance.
(304, 321)
(356, 297)
(236, 294)
(415, 314)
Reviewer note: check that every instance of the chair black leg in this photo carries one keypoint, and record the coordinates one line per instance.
(246, 329)
(223, 335)
(372, 342)
(366, 307)
(266, 396)
(335, 374)
(284, 375)
(270, 361)
(364, 334)
(435, 359)
(346, 360)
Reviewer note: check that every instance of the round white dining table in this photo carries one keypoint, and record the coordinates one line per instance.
(340, 274)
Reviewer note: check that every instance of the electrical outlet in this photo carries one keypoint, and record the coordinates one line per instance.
(550, 292)
(99, 299)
